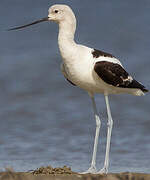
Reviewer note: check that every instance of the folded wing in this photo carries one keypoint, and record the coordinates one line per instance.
(114, 74)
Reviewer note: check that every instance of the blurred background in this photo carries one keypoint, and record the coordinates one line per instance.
(46, 121)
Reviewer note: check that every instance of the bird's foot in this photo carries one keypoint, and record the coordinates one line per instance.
(104, 170)
(91, 170)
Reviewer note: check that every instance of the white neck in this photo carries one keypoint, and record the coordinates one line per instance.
(66, 41)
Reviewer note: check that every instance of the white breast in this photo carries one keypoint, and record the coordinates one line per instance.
(81, 68)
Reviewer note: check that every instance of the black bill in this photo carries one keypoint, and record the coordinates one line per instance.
(35, 22)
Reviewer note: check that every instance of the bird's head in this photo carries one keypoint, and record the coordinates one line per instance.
(58, 13)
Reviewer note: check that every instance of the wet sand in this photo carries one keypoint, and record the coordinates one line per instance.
(65, 173)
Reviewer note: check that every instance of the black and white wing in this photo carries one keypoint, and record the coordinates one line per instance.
(114, 74)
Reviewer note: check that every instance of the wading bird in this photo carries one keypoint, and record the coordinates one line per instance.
(93, 70)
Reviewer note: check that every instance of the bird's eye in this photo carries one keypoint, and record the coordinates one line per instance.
(56, 11)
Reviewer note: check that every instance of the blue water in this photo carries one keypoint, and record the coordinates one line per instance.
(46, 121)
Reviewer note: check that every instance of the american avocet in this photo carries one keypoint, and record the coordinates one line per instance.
(93, 70)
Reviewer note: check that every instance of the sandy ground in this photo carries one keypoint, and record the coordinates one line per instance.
(65, 173)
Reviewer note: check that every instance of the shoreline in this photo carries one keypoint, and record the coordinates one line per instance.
(65, 173)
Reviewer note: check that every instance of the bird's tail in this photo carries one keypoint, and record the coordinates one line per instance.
(145, 90)
(138, 88)
(137, 85)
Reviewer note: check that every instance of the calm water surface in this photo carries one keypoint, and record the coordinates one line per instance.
(44, 120)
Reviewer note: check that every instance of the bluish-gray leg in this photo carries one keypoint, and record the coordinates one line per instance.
(92, 168)
(109, 124)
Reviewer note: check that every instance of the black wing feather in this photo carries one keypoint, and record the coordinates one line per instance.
(71, 82)
(115, 75)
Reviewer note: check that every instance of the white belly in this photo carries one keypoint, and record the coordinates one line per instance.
(82, 74)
